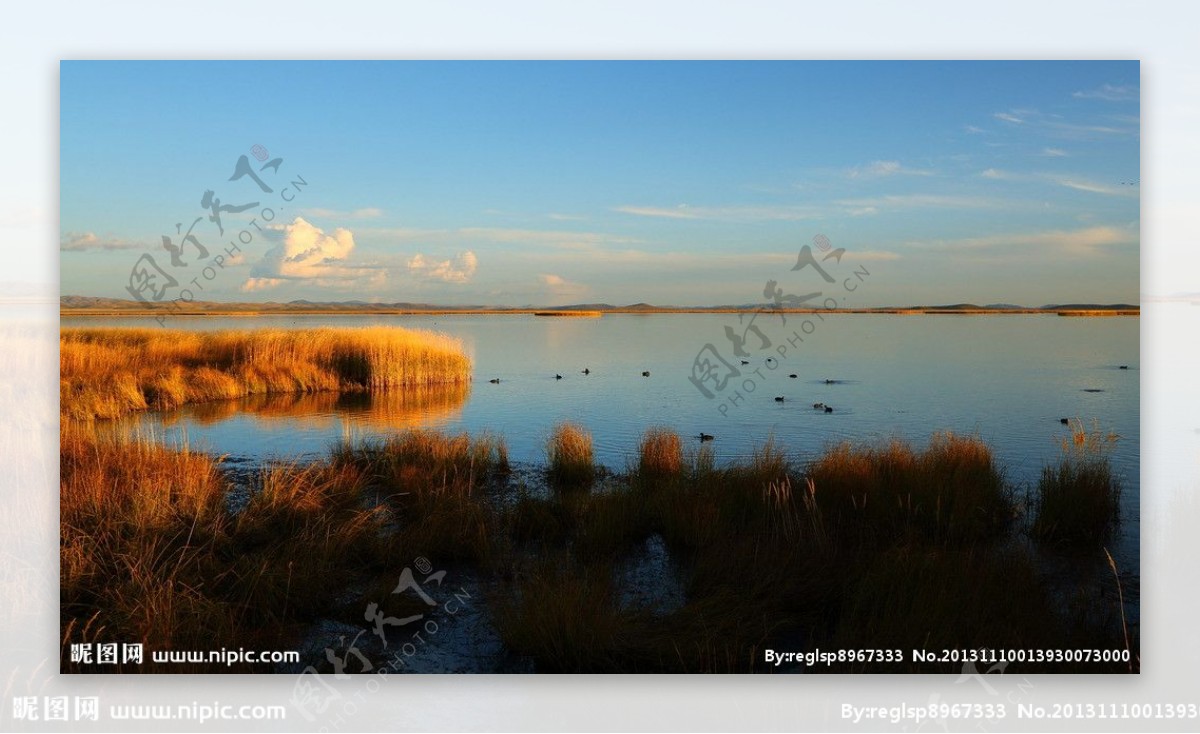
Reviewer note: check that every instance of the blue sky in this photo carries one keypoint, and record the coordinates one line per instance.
(686, 183)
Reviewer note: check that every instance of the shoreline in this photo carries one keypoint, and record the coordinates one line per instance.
(68, 312)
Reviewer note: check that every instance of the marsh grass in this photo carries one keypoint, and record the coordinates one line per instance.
(566, 619)
(660, 454)
(952, 491)
(164, 563)
(436, 482)
(106, 373)
(1077, 501)
(143, 527)
(913, 597)
(886, 544)
(571, 462)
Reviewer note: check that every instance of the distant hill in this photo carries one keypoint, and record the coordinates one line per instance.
(86, 304)
(954, 307)
(1090, 307)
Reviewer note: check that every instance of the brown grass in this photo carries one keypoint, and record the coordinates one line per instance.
(953, 491)
(151, 553)
(884, 545)
(1078, 499)
(570, 454)
(660, 454)
(105, 373)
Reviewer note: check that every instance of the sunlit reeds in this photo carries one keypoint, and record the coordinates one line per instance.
(660, 454)
(886, 544)
(105, 373)
(951, 491)
(1078, 500)
(570, 454)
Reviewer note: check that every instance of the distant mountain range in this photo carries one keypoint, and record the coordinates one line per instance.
(118, 305)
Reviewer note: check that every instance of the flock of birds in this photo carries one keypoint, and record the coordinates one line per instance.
(708, 436)
(778, 398)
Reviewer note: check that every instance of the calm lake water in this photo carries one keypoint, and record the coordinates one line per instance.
(1010, 379)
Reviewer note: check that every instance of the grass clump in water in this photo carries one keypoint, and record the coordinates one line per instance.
(106, 373)
(571, 459)
(1077, 501)
(660, 455)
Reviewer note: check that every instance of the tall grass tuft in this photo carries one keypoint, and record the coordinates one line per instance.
(1078, 499)
(660, 454)
(566, 620)
(435, 482)
(570, 454)
(152, 553)
(953, 491)
(106, 373)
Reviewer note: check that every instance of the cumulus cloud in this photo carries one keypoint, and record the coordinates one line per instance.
(460, 269)
(80, 241)
(260, 284)
(308, 254)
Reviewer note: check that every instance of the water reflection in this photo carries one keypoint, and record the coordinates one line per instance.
(303, 416)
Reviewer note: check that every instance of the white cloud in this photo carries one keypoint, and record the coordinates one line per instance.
(560, 287)
(369, 212)
(1081, 184)
(725, 213)
(1056, 126)
(882, 169)
(260, 284)
(1089, 241)
(306, 253)
(80, 241)
(1054, 152)
(918, 201)
(872, 255)
(558, 239)
(1110, 93)
(682, 211)
(994, 173)
(460, 269)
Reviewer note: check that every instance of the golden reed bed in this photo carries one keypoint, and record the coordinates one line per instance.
(106, 373)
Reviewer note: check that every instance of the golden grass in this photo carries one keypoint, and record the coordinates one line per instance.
(577, 314)
(952, 491)
(660, 454)
(141, 525)
(150, 551)
(105, 373)
(434, 481)
(570, 454)
(1078, 499)
(897, 546)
